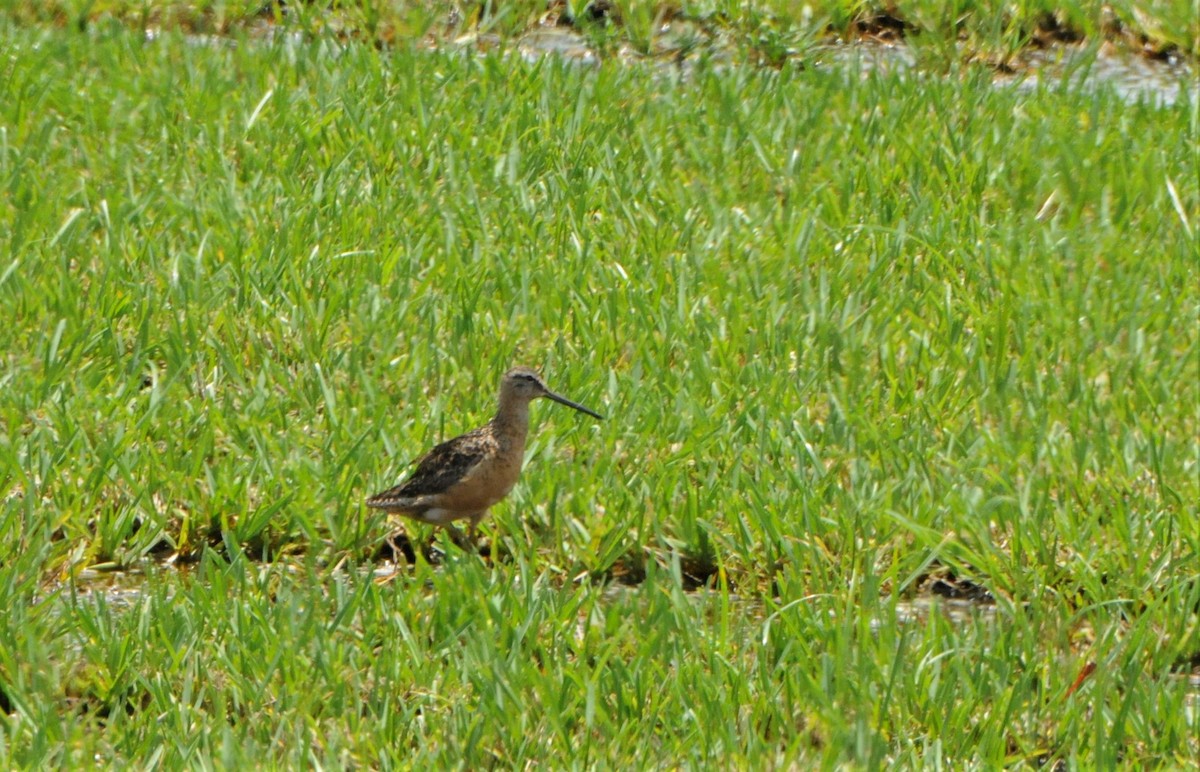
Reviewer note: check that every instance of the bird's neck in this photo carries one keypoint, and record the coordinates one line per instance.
(512, 420)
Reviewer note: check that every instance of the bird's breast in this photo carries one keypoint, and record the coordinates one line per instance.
(489, 482)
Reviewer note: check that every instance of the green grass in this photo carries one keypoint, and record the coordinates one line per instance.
(840, 334)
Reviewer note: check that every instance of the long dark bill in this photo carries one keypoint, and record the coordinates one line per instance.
(560, 399)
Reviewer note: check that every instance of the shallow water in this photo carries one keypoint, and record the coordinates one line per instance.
(119, 590)
(1130, 76)
(680, 46)
(1133, 78)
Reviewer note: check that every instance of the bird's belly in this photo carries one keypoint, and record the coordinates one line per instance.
(487, 484)
(439, 516)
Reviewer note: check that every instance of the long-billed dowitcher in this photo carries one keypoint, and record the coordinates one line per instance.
(461, 478)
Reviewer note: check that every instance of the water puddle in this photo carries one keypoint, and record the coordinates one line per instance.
(555, 41)
(1133, 78)
(680, 46)
(960, 613)
(118, 589)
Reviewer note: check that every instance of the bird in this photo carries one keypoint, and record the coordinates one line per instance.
(461, 478)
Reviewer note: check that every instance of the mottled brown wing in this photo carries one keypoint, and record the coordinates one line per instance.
(441, 467)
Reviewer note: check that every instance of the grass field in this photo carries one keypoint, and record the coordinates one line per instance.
(850, 331)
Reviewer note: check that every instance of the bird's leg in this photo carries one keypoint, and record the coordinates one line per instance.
(461, 540)
(466, 542)
(485, 549)
(473, 528)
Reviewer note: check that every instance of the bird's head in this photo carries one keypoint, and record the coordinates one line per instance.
(523, 383)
